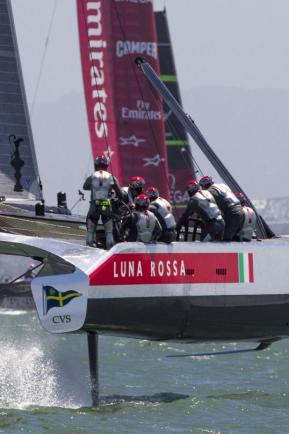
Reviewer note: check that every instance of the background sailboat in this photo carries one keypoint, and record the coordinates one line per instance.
(20, 185)
(19, 174)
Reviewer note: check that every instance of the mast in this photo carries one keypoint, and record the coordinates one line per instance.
(263, 231)
(180, 161)
(19, 175)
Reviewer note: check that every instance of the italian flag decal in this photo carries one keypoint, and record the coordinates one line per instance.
(245, 265)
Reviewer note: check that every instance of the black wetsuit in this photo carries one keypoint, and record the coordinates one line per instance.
(231, 209)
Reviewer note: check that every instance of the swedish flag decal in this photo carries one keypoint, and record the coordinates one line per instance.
(54, 298)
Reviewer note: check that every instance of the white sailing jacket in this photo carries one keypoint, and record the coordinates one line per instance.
(145, 224)
(101, 184)
(204, 200)
(163, 210)
(249, 225)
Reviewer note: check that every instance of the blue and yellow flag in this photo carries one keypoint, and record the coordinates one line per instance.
(54, 298)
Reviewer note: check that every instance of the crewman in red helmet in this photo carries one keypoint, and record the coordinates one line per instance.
(162, 209)
(229, 205)
(141, 225)
(204, 206)
(135, 187)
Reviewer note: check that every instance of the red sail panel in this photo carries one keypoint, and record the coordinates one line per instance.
(137, 137)
(96, 48)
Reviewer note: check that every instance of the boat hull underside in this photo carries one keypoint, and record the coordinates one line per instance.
(210, 318)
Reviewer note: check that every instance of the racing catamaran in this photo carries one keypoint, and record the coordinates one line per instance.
(183, 291)
(132, 135)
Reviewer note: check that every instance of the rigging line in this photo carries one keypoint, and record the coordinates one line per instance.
(176, 127)
(157, 99)
(177, 130)
(43, 59)
(94, 76)
(87, 170)
(140, 90)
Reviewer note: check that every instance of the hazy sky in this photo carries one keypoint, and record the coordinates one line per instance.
(216, 42)
(241, 43)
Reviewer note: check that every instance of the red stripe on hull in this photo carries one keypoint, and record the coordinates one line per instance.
(251, 268)
(165, 268)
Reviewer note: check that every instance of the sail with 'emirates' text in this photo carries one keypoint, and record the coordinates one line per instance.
(125, 116)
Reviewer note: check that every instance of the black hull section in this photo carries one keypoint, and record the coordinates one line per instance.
(24, 222)
(191, 318)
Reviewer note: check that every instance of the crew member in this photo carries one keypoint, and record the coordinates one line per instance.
(141, 225)
(229, 205)
(162, 209)
(203, 205)
(135, 187)
(101, 183)
(249, 226)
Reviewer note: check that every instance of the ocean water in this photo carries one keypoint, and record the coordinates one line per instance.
(44, 385)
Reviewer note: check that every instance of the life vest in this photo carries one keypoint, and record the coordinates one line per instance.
(101, 185)
(205, 200)
(224, 196)
(249, 225)
(164, 209)
(145, 224)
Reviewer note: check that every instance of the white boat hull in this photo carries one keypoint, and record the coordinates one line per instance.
(181, 291)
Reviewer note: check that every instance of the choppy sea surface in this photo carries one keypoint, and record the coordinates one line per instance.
(44, 385)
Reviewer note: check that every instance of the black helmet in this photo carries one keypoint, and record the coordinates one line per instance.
(101, 162)
(206, 182)
(136, 184)
(192, 187)
(152, 193)
(142, 202)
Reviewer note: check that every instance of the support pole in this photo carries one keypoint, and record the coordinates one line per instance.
(92, 341)
(262, 229)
